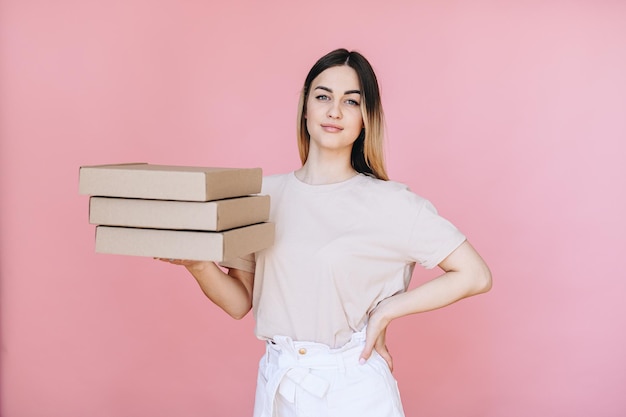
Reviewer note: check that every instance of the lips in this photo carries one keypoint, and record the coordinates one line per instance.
(331, 127)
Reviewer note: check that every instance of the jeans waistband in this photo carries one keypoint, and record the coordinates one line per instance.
(284, 351)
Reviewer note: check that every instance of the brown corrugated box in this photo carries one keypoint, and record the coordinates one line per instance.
(139, 209)
(178, 244)
(168, 182)
(179, 215)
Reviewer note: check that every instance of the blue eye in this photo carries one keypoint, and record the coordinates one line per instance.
(322, 97)
(352, 102)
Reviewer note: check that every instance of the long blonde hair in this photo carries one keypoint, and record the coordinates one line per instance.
(367, 152)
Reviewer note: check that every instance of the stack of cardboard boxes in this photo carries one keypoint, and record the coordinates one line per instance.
(177, 212)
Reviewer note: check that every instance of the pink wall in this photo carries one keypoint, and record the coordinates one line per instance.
(510, 118)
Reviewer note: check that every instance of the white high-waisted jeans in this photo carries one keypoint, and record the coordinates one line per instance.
(302, 379)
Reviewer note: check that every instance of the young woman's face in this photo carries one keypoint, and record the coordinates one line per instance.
(333, 109)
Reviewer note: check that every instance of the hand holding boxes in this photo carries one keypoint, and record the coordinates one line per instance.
(195, 213)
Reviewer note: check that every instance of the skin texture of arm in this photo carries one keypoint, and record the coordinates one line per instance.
(231, 291)
(465, 274)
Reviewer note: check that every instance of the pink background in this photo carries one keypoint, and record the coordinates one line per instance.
(509, 116)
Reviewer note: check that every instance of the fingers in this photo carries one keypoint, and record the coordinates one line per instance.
(375, 339)
(372, 337)
(384, 353)
(172, 261)
(168, 260)
(366, 353)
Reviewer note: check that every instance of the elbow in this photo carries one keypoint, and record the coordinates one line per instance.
(239, 314)
(483, 280)
(477, 279)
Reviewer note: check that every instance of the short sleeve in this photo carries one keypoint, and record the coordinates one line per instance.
(433, 237)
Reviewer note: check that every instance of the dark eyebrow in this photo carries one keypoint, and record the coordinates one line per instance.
(321, 87)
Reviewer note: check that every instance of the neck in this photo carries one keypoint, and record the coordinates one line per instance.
(315, 173)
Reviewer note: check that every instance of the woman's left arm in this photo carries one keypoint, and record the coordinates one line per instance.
(465, 274)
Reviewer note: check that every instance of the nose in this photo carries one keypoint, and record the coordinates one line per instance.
(334, 110)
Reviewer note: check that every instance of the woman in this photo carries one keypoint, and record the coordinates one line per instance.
(347, 240)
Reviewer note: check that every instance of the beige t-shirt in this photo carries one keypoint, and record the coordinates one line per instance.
(339, 250)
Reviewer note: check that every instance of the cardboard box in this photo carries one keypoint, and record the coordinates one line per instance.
(178, 244)
(181, 215)
(168, 182)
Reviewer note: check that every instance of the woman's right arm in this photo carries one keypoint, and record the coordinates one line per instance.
(231, 291)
